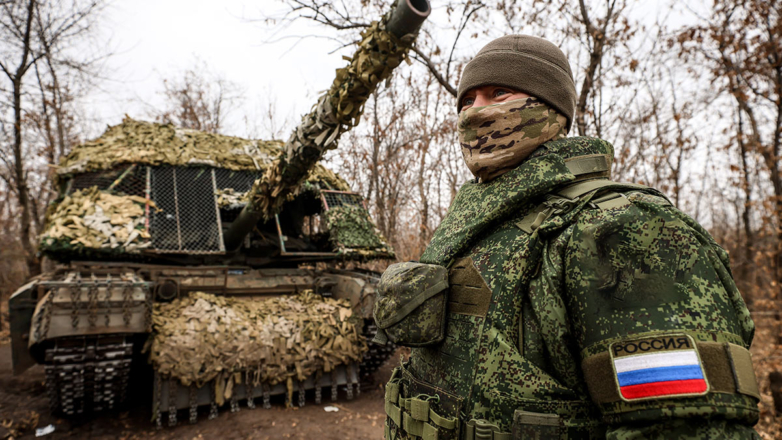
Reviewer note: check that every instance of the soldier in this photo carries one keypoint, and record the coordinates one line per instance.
(552, 302)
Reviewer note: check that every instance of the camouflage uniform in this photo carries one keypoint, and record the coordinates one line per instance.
(550, 288)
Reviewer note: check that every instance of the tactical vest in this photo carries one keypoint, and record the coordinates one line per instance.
(508, 367)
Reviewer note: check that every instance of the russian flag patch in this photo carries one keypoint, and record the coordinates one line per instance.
(655, 367)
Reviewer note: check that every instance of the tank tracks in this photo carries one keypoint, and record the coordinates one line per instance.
(86, 374)
(170, 395)
(90, 374)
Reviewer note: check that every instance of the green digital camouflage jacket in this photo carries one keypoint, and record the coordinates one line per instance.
(578, 308)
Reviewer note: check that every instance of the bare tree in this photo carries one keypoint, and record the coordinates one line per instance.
(267, 122)
(37, 35)
(18, 26)
(597, 35)
(742, 42)
(198, 99)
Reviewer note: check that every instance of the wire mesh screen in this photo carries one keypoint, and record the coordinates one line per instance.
(128, 179)
(335, 199)
(188, 221)
(239, 181)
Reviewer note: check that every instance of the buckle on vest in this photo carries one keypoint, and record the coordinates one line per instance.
(561, 205)
(480, 429)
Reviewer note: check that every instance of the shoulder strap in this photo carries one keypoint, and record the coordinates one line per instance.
(578, 189)
(572, 192)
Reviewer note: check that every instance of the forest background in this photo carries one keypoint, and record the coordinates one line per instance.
(688, 92)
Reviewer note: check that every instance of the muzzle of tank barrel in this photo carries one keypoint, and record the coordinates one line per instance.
(406, 18)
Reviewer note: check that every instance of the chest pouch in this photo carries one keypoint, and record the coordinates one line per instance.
(411, 304)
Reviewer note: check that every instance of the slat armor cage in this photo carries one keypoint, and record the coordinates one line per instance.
(188, 219)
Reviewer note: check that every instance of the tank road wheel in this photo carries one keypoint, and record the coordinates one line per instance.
(376, 354)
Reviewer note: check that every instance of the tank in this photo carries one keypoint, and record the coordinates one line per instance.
(218, 260)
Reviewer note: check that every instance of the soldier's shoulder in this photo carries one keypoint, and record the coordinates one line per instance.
(628, 202)
(639, 218)
(576, 146)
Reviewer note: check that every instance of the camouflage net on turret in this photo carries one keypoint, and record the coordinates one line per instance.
(164, 144)
(148, 143)
(337, 111)
(95, 219)
(119, 223)
(352, 232)
(204, 337)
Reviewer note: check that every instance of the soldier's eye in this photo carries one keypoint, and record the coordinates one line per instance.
(468, 101)
(500, 92)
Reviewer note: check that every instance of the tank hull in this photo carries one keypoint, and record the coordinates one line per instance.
(85, 322)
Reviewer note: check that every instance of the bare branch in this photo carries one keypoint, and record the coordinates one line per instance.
(433, 69)
(465, 20)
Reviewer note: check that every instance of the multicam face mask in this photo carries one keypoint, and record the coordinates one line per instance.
(498, 137)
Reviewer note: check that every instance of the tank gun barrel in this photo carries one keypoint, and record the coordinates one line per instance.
(407, 17)
(384, 45)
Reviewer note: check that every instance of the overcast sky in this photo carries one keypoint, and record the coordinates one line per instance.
(153, 39)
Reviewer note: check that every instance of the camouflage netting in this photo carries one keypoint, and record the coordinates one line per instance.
(164, 144)
(228, 198)
(149, 143)
(204, 337)
(95, 219)
(337, 111)
(351, 231)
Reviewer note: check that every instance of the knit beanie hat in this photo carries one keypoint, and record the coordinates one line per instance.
(525, 63)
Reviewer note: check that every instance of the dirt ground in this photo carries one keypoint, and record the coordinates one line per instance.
(767, 357)
(24, 406)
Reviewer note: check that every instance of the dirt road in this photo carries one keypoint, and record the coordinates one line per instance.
(24, 406)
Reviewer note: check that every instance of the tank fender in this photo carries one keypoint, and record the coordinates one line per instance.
(21, 306)
(73, 306)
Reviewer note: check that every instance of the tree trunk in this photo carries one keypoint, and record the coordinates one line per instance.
(776, 180)
(747, 272)
(374, 182)
(423, 230)
(20, 175)
(598, 38)
(775, 384)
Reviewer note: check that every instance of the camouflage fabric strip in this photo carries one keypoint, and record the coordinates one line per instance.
(337, 111)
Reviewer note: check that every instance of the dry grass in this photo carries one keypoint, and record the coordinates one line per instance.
(767, 356)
